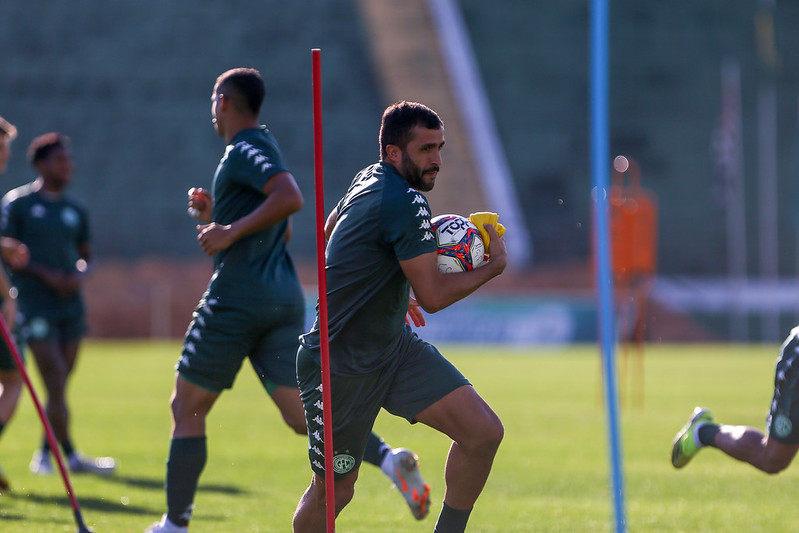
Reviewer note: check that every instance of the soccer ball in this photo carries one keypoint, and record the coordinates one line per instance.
(460, 246)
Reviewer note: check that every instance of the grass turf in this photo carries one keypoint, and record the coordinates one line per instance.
(551, 474)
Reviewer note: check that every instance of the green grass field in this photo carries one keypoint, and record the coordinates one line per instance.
(551, 474)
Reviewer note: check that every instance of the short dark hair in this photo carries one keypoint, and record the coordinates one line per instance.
(7, 129)
(41, 147)
(398, 122)
(244, 87)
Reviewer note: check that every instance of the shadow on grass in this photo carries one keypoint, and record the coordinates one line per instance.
(86, 504)
(158, 484)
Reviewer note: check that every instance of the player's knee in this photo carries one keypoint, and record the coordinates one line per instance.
(487, 436)
(344, 494)
(495, 433)
(775, 465)
(296, 423)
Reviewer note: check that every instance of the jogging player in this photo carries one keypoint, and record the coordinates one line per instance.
(55, 230)
(771, 452)
(10, 377)
(380, 246)
(253, 307)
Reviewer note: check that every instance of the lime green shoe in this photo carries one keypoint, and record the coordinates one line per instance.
(686, 443)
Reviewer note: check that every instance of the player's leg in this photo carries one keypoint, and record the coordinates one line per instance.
(287, 400)
(752, 446)
(53, 370)
(429, 389)
(188, 452)
(476, 433)
(274, 358)
(11, 384)
(356, 402)
(10, 390)
(771, 452)
(310, 515)
(214, 348)
(400, 465)
(274, 361)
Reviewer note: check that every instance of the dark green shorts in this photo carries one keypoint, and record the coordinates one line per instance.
(416, 377)
(7, 361)
(221, 336)
(60, 323)
(783, 418)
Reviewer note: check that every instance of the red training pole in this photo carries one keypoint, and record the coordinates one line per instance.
(48, 429)
(327, 412)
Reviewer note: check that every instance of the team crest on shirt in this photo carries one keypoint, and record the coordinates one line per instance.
(343, 463)
(38, 211)
(38, 328)
(782, 425)
(70, 217)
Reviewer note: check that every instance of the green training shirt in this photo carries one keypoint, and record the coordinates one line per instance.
(381, 221)
(52, 228)
(258, 266)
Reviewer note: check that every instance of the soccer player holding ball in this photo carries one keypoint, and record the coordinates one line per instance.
(381, 244)
(253, 307)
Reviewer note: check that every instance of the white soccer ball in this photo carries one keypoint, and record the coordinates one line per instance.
(460, 246)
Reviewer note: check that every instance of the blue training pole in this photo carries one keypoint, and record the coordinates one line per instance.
(600, 163)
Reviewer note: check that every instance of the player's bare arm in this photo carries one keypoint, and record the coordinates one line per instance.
(330, 223)
(435, 291)
(283, 199)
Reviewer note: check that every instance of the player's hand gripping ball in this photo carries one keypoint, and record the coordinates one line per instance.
(460, 246)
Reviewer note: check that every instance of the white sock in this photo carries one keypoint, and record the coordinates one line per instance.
(387, 464)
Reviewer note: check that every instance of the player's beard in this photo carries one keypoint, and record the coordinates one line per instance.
(414, 175)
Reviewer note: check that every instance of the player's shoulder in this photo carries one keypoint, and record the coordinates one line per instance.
(257, 148)
(19, 194)
(75, 203)
(399, 193)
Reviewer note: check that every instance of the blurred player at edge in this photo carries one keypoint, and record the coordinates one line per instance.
(254, 306)
(380, 246)
(771, 452)
(10, 377)
(52, 314)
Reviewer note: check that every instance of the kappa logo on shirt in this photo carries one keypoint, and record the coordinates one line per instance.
(255, 155)
(419, 199)
(38, 211)
(423, 212)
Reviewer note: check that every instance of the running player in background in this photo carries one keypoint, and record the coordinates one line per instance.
(253, 307)
(10, 377)
(771, 452)
(55, 230)
(380, 246)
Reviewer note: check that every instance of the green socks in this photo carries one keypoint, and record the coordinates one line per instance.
(186, 461)
(451, 520)
(707, 434)
(376, 450)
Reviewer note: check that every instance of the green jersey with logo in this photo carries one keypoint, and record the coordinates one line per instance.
(53, 229)
(381, 221)
(256, 268)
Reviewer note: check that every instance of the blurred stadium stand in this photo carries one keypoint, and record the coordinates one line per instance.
(130, 83)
